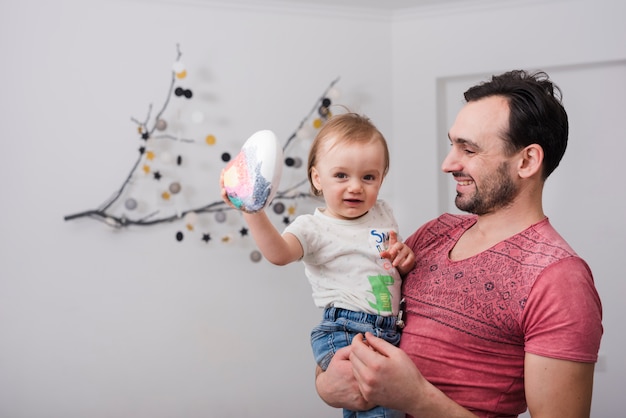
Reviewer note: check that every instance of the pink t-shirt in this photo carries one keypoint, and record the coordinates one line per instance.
(470, 322)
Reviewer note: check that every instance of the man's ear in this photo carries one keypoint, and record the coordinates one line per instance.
(531, 161)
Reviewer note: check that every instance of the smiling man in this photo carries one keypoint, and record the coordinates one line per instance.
(502, 314)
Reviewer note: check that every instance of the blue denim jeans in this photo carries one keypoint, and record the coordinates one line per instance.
(337, 329)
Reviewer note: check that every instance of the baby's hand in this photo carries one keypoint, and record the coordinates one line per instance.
(400, 255)
(223, 192)
(227, 200)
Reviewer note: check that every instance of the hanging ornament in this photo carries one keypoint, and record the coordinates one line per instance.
(304, 133)
(256, 256)
(279, 207)
(166, 157)
(111, 222)
(220, 217)
(183, 92)
(226, 157)
(130, 204)
(191, 218)
(178, 67)
(210, 140)
(179, 236)
(174, 187)
(161, 125)
(333, 93)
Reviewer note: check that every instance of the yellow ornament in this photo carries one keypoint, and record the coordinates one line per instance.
(317, 123)
(146, 168)
(210, 139)
(181, 74)
(150, 155)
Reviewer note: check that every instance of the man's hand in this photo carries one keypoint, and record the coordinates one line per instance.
(337, 386)
(385, 374)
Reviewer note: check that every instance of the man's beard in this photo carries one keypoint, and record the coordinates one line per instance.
(496, 192)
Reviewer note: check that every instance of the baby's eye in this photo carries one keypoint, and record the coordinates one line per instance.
(341, 175)
(369, 177)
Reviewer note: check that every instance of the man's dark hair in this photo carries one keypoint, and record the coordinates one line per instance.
(537, 115)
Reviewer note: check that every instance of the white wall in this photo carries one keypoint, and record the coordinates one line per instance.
(96, 322)
(581, 44)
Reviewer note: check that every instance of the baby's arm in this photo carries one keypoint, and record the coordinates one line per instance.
(278, 249)
(401, 256)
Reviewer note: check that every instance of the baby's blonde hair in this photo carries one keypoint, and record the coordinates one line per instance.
(346, 128)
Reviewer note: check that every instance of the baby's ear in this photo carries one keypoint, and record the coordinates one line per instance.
(315, 179)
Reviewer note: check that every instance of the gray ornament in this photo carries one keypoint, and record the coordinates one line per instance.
(256, 256)
(130, 204)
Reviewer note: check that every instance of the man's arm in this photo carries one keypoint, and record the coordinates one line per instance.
(557, 387)
(378, 373)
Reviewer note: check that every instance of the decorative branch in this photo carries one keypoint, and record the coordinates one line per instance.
(103, 214)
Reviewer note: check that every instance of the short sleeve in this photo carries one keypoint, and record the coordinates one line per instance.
(562, 317)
